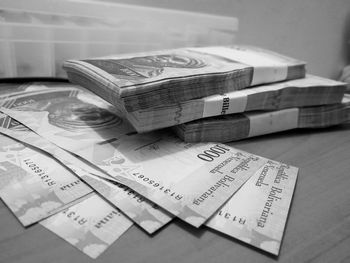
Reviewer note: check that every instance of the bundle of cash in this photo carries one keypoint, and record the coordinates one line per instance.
(62, 127)
(138, 81)
(307, 91)
(244, 125)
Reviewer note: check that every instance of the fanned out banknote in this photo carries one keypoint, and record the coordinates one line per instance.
(307, 91)
(143, 80)
(268, 239)
(66, 112)
(257, 213)
(147, 163)
(146, 214)
(233, 219)
(33, 194)
(32, 184)
(91, 225)
(77, 105)
(245, 125)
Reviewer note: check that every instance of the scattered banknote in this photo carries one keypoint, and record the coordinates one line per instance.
(67, 113)
(147, 215)
(143, 212)
(149, 163)
(144, 80)
(308, 91)
(91, 225)
(250, 237)
(34, 185)
(68, 98)
(257, 213)
(232, 212)
(240, 126)
(18, 89)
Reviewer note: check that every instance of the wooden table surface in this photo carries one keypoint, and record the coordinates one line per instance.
(318, 228)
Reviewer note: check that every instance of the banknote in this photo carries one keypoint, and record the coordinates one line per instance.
(150, 79)
(34, 185)
(17, 89)
(233, 215)
(258, 212)
(146, 214)
(149, 164)
(91, 225)
(67, 113)
(78, 108)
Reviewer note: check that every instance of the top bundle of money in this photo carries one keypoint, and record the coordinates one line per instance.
(141, 81)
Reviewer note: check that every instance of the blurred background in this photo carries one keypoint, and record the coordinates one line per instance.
(316, 31)
(36, 36)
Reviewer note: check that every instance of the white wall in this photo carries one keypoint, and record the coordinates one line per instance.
(316, 31)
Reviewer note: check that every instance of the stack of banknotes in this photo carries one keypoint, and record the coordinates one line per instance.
(220, 94)
(69, 161)
(239, 126)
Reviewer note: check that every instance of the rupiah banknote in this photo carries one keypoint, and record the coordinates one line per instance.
(143, 80)
(91, 225)
(147, 163)
(34, 185)
(257, 213)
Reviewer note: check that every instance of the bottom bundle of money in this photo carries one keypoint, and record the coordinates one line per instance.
(64, 151)
(239, 126)
(303, 92)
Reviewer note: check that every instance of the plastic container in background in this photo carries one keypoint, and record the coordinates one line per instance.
(37, 36)
(34, 59)
(7, 60)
